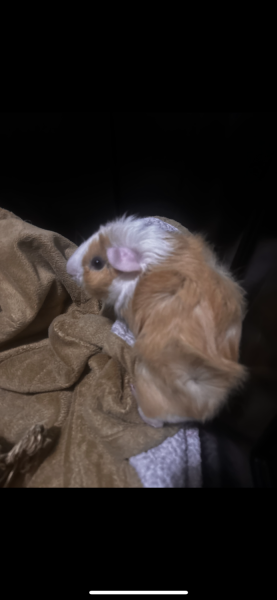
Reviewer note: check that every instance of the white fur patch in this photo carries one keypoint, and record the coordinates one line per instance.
(74, 264)
(147, 236)
(148, 239)
(121, 291)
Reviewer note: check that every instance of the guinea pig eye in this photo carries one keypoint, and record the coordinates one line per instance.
(97, 263)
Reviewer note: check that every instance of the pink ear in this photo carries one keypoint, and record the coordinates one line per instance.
(124, 259)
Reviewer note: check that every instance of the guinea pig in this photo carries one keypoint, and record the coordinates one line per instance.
(183, 308)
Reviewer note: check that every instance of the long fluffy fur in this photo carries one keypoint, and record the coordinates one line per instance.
(185, 311)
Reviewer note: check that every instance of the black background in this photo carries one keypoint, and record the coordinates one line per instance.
(71, 171)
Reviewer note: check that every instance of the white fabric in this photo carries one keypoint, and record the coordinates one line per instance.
(121, 329)
(176, 463)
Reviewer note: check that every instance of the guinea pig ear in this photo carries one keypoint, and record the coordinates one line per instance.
(124, 259)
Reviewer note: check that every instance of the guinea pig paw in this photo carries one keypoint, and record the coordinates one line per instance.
(152, 422)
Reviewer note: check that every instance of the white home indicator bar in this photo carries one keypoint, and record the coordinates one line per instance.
(140, 593)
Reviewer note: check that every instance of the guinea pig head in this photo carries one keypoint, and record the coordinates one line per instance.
(97, 263)
(110, 262)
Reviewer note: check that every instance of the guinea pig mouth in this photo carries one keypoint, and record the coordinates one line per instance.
(77, 278)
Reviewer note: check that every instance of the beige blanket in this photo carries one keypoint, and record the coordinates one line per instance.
(67, 415)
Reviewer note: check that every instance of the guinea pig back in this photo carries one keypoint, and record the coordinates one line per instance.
(186, 315)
